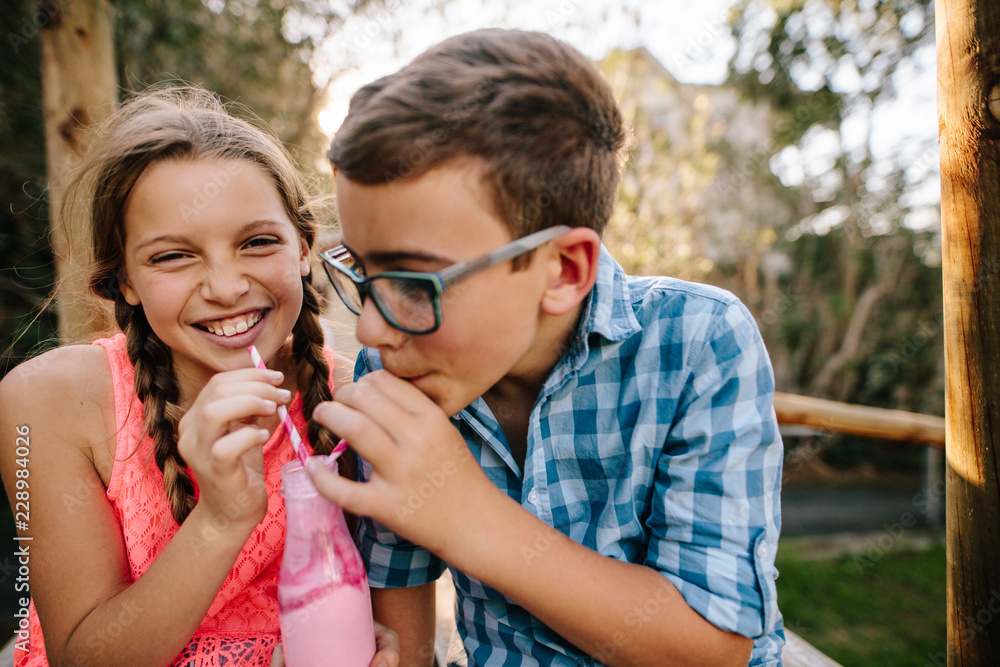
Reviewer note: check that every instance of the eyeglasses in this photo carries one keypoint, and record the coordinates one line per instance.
(411, 300)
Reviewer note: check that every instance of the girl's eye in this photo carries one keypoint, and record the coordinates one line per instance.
(166, 257)
(261, 241)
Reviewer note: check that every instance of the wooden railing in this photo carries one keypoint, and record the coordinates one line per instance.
(923, 430)
(836, 417)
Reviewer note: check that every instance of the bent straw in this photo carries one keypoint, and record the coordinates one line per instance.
(286, 421)
(290, 429)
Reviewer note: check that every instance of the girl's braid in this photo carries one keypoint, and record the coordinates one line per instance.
(313, 372)
(156, 386)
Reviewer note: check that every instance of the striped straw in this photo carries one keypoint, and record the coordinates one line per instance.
(286, 421)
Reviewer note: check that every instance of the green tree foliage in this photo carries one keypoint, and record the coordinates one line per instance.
(257, 53)
(26, 265)
(861, 302)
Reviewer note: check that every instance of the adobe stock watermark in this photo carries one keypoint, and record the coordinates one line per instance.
(45, 16)
(893, 533)
(561, 13)
(100, 640)
(696, 46)
(783, 302)
(970, 627)
(376, 23)
(210, 189)
(926, 331)
(434, 481)
(664, 595)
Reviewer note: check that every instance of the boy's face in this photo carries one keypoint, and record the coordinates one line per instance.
(490, 321)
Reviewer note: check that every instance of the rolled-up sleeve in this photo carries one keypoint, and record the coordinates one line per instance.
(393, 562)
(715, 514)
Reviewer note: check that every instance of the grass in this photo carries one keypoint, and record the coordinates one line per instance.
(890, 612)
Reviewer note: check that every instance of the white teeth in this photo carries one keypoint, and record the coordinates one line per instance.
(231, 329)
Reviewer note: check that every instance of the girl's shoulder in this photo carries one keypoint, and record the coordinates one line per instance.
(69, 389)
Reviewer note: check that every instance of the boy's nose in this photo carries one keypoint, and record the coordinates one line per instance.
(225, 285)
(374, 331)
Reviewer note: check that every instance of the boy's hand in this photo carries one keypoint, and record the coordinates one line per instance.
(424, 478)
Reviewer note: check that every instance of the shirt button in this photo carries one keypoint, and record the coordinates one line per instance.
(762, 551)
(533, 497)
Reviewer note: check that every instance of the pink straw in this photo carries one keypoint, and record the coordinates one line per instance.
(286, 421)
(290, 429)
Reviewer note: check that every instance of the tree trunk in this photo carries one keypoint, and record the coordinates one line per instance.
(968, 39)
(79, 90)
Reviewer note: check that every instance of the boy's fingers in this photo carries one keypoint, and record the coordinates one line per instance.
(367, 437)
(382, 401)
(351, 496)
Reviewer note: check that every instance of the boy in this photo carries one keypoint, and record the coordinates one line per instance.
(595, 456)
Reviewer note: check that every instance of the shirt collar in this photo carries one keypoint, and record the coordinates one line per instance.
(607, 312)
(609, 309)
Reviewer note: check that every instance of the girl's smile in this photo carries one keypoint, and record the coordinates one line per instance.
(217, 269)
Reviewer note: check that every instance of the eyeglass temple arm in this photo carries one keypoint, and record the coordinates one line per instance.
(501, 255)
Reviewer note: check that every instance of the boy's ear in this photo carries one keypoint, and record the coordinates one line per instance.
(574, 270)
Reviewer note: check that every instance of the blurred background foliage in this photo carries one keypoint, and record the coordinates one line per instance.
(767, 185)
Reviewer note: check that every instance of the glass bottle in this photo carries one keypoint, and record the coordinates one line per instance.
(324, 606)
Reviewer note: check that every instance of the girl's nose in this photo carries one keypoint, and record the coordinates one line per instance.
(374, 331)
(225, 285)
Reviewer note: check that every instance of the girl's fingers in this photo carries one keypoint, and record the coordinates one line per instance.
(278, 657)
(386, 647)
(228, 450)
(210, 397)
(249, 375)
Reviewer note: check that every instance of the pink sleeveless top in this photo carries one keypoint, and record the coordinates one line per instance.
(241, 627)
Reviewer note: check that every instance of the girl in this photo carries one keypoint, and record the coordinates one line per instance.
(155, 526)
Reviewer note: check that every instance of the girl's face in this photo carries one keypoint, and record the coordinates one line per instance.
(215, 262)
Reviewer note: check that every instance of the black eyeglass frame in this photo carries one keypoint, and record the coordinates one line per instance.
(435, 283)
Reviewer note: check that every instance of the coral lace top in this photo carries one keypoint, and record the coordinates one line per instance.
(241, 627)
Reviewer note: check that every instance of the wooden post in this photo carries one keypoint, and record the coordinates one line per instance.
(968, 48)
(79, 89)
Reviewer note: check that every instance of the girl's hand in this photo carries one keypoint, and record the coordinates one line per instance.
(221, 443)
(278, 657)
(386, 649)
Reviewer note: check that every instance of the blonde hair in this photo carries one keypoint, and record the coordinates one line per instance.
(187, 123)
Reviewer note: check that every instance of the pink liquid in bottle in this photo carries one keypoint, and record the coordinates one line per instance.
(323, 602)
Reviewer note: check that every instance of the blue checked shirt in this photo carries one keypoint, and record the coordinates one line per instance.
(653, 441)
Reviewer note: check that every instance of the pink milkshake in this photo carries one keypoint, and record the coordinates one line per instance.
(323, 600)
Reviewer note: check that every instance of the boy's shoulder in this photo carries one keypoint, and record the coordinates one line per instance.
(664, 289)
(662, 300)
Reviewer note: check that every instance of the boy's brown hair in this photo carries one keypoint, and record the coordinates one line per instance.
(534, 110)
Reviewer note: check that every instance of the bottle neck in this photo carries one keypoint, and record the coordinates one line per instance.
(295, 481)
